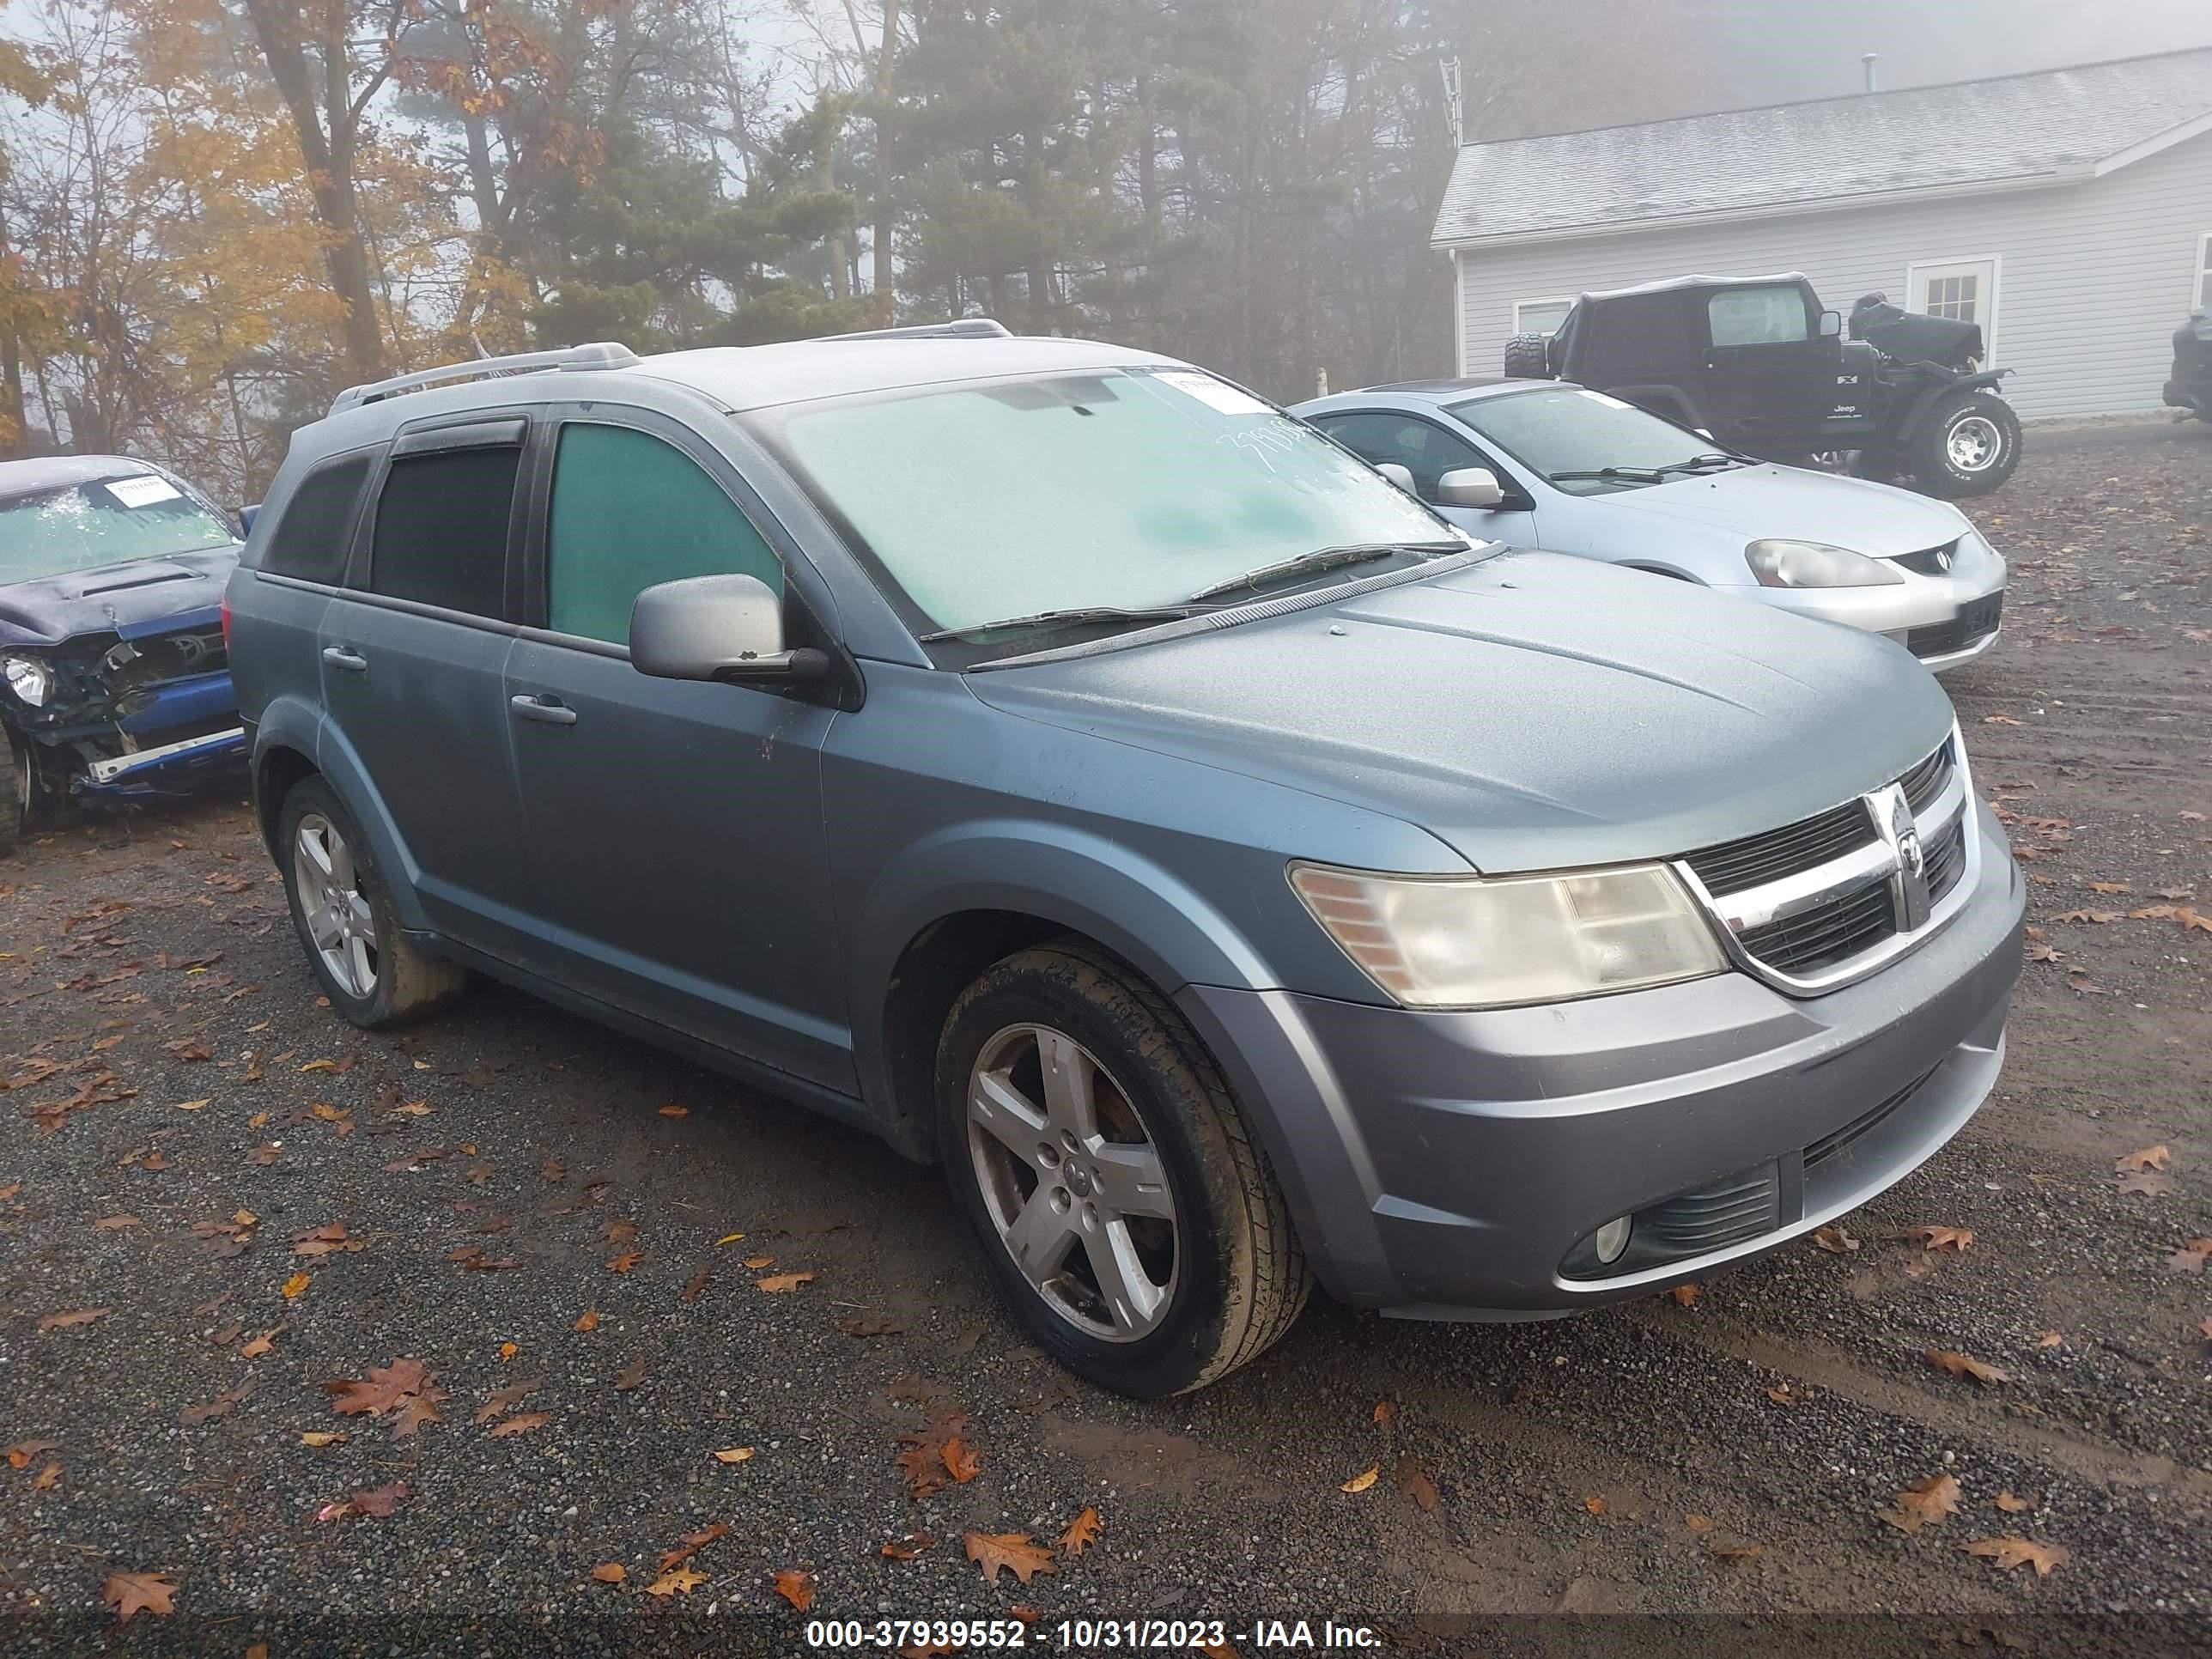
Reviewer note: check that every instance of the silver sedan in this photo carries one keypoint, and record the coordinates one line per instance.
(1539, 463)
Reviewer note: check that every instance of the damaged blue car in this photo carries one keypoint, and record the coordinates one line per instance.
(114, 675)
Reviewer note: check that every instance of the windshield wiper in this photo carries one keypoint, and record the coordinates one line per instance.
(1609, 474)
(1072, 618)
(1324, 558)
(1699, 463)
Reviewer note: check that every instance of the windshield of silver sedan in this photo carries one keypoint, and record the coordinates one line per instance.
(87, 526)
(1586, 443)
(1103, 499)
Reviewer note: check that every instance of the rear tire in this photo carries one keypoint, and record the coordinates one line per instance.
(1528, 357)
(345, 917)
(1124, 1210)
(1968, 445)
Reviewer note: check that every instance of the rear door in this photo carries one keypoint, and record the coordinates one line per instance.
(412, 658)
(675, 826)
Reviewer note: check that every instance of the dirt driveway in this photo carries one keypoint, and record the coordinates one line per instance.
(582, 1243)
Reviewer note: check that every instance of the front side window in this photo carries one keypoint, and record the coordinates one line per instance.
(1759, 316)
(85, 526)
(1111, 487)
(441, 524)
(630, 512)
(1422, 447)
(1587, 442)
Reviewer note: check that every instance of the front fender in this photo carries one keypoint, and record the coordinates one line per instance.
(292, 722)
(1987, 380)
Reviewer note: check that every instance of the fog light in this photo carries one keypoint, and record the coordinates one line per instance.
(1610, 1240)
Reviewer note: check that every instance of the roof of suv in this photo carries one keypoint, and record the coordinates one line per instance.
(758, 377)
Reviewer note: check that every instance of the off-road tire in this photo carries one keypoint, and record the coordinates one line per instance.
(14, 791)
(1241, 1275)
(1528, 357)
(410, 986)
(1930, 454)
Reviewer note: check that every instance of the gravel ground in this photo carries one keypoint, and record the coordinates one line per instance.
(1721, 1462)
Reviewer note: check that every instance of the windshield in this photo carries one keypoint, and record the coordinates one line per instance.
(1122, 490)
(49, 532)
(1571, 434)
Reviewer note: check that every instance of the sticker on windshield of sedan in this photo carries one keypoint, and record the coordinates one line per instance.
(141, 491)
(1214, 394)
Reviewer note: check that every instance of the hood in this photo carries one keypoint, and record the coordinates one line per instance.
(1532, 712)
(1759, 502)
(134, 599)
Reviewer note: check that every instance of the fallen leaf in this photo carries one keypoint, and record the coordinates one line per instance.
(1017, 1552)
(20, 1454)
(733, 1454)
(62, 1322)
(1953, 1239)
(962, 1460)
(379, 1502)
(2192, 923)
(868, 1325)
(1079, 1534)
(262, 1154)
(521, 1423)
(588, 1321)
(401, 1391)
(1413, 1480)
(1782, 1394)
(776, 1283)
(1595, 1504)
(630, 1375)
(1960, 1365)
(115, 1224)
(47, 1479)
(507, 1352)
(221, 1406)
(320, 1438)
(139, 1592)
(756, 1262)
(2097, 917)
(2190, 1257)
(506, 1399)
(678, 1581)
(675, 1111)
(321, 1241)
(693, 1543)
(698, 1283)
(1737, 1552)
(1385, 1412)
(1835, 1241)
(2106, 886)
(1699, 1522)
(295, 1286)
(1362, 1480)
(2051, 1340)
(320, 1066)
(2147, 1183)
(906, 1548)
(2150, 1158)
(2012, 1503)
(1923, 1502)
(1999, 720)
(625, 1262)
(1686, 1296)
(792, 1585)
(610, 1572)
(2011, 1552)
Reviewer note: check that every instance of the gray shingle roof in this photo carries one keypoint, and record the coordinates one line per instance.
(1963, 135)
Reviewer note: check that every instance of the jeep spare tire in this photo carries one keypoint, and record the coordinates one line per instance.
(1528, 357)
(1967, 445)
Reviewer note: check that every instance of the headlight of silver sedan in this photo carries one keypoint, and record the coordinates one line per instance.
(1814, 564)
(29, 678)
(1471, 942)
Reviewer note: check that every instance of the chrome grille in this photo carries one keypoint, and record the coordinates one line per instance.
(1819, 901)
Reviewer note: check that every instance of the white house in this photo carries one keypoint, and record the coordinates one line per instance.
(2069, 212)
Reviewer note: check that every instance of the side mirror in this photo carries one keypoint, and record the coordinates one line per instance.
(716, 627)
(1469, 486)
(1832, 324)
(246, 515)
(1401, 475)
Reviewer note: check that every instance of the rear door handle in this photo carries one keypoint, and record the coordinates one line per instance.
(338, 657)
(550, 710)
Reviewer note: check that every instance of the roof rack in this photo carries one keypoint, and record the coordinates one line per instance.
(965, 328)
(601, 354)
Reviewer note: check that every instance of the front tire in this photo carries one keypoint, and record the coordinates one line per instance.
(1124, 1210)
(345, 919)
(15, 786)
(1968, 445)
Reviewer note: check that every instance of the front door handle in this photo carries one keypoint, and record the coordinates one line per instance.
(339, 657)
(550, 710)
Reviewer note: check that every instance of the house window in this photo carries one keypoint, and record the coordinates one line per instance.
(1539, 316)
(1963, 290)
(2205, 271)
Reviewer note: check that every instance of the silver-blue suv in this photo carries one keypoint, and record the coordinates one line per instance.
(1058, 762)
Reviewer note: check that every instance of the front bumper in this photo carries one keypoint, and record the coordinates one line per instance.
(169, 768)
(1943, 620)
(1448, 1165)
(2194, 395)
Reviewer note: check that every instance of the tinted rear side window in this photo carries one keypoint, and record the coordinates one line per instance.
(312, 539)
(442, 530)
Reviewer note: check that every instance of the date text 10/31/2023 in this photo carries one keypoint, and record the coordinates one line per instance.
(1201, 1636)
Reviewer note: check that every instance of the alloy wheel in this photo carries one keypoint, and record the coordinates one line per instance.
(1073, 1182)
(1974, 444)
(340, 923)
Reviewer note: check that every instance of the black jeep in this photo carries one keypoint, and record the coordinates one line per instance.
(1757, 363)
(2191, 388)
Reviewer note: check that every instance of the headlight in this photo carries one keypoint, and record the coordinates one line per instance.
(29, 679)
(1814, 564)
(1465, 942)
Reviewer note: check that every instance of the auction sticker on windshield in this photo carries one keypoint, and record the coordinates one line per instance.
(1214, 394)
(141, 491)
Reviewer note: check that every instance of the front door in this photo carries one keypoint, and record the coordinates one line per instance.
(675, 827)
(1770, 377)
(413, 659)
(1427, 450)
